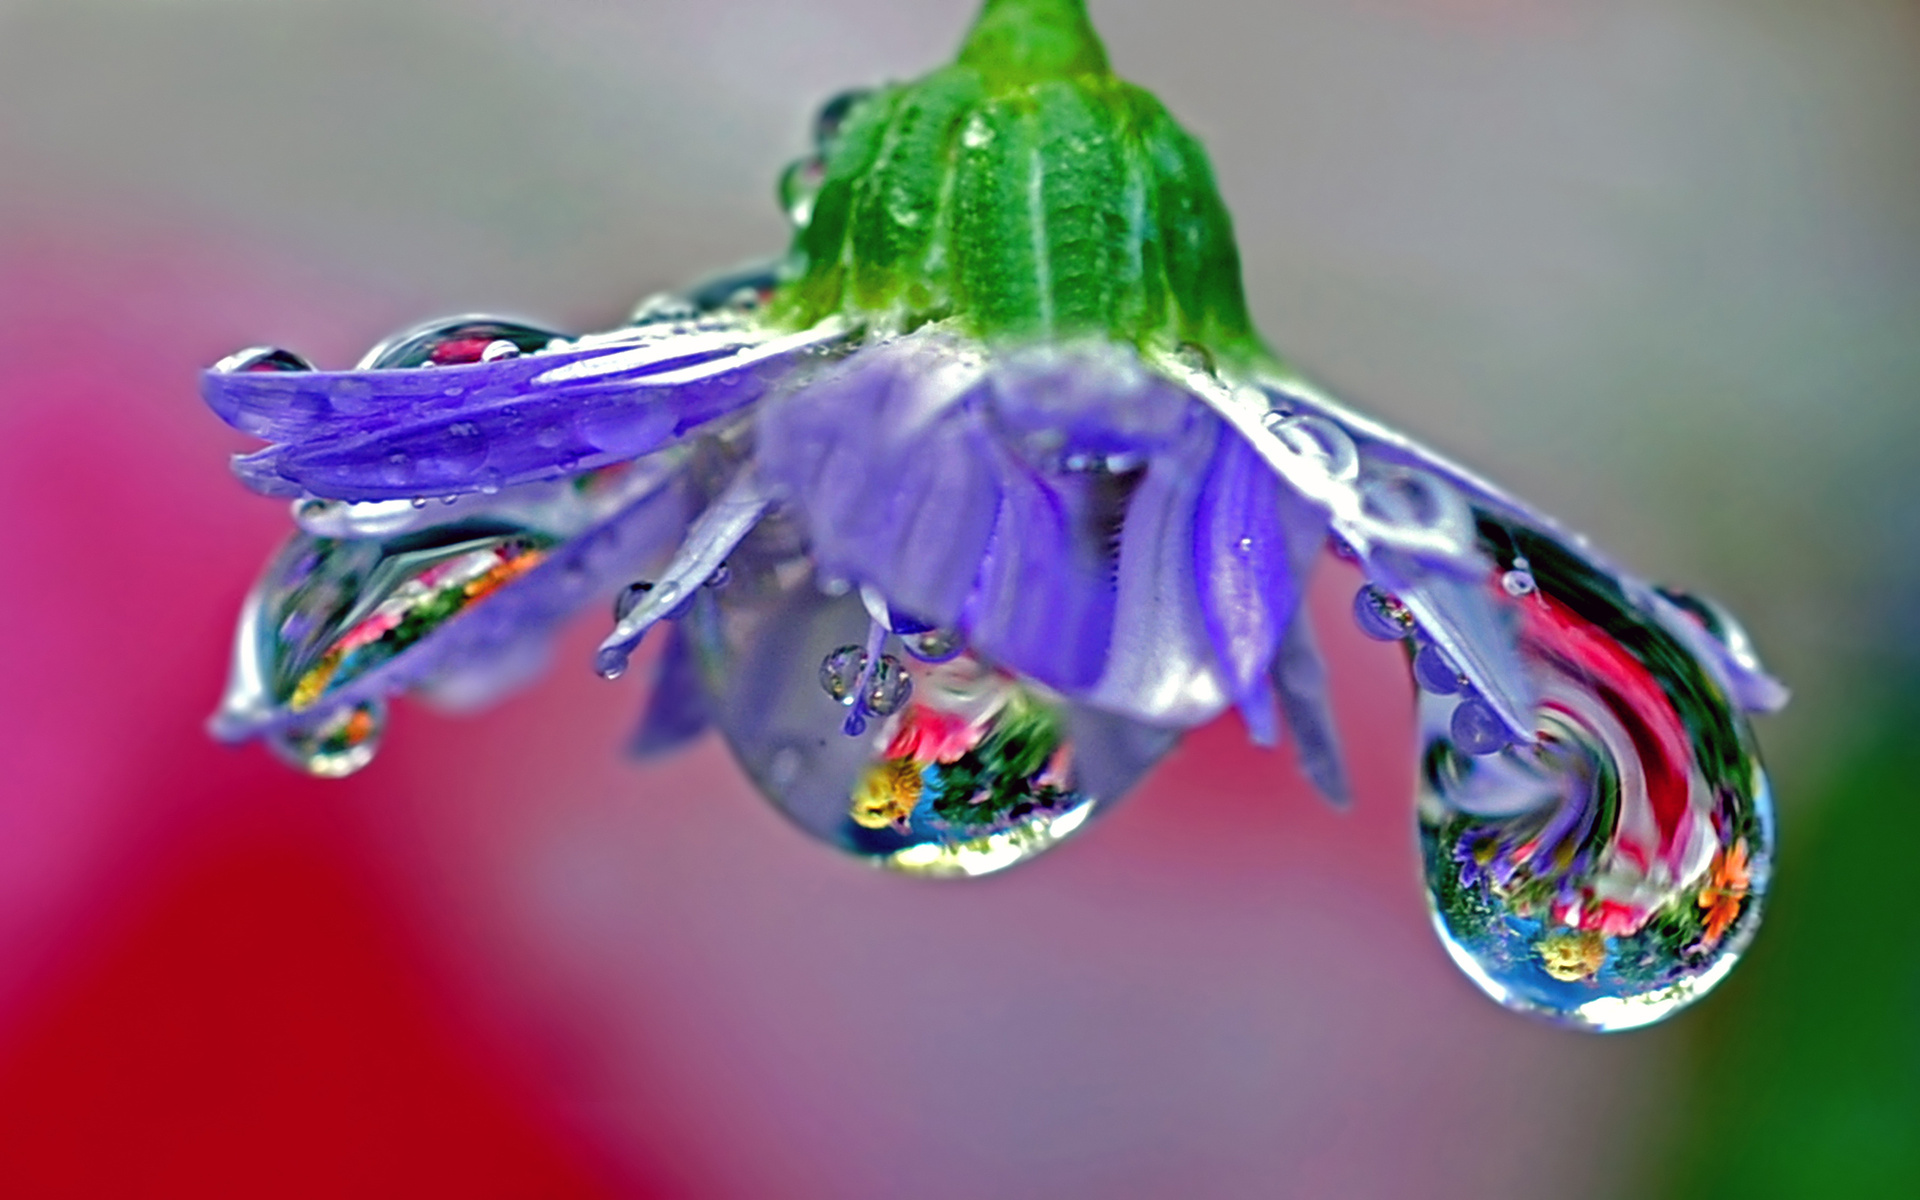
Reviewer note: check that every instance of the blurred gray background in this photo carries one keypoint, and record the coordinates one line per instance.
(1653, 263)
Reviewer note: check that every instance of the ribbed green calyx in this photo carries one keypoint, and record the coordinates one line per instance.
(1024, 191)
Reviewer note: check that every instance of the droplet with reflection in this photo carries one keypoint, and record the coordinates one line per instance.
(956, 767)
(1612, 872)
(336, 744)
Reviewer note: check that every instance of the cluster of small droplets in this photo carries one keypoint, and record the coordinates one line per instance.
(879, 690)
(1476, 728)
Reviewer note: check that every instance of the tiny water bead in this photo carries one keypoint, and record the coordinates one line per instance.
(1380, 616)
(1611, 872)
(335, 746)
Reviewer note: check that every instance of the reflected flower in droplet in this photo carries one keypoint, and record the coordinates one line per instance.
(1006, 493)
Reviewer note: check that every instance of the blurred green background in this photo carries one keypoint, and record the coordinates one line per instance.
(1653, 263)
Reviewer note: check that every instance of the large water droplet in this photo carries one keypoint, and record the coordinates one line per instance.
(452, 341)
(1611, 872)
(337, 744)
(954, 768)
(336, 611)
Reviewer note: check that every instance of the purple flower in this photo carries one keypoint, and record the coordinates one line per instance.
(962, 511)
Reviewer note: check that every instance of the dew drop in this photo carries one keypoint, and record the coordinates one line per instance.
(610, 662)
(1517, 582)
(1435, 672)
(934, 645)
(1381, 616)
(335, 745)
(840, 672)
(398, 468)
(1476, 728)
(889, 688)
(629, 599)
(1610, 872)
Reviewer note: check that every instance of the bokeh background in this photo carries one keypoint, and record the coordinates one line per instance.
(1655, 263)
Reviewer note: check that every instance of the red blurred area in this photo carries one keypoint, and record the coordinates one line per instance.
(255, 1029)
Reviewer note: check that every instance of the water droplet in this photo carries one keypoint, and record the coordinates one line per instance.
(1318, 440)
(398, 468)
(799, 186)
(1610, 872)
(1476, 728)
(840, 672)
(1380, 616)
(629, 599)
(1435, 672)
(955, 768)
(721, 577)
(335, 745)
(1517, 582)
(832, 117)
(339, 610)
(889, 688)
(418, 502)
(610, 662)
(934, 645)
(261, 358)
(453, 341)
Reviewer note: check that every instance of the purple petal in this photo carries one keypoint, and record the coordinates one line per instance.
(1300, 679)
(1044, 602)
(677, 709)
(481, 427)
(708, 542)
(1254, 540)
(886, 463)
(1161, 665)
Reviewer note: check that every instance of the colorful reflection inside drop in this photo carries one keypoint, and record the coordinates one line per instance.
(949, 767)
(1610, 873)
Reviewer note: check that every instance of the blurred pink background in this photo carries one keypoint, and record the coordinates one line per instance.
(1602, 251)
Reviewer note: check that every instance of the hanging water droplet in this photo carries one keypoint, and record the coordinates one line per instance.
(1476, 729)
(840, 673)
(954, 768)
(721, 577)
(1611, 872)
(934, 645)
(889, 687)
(1435, 672)
(1380, 616)
(336, 745)
(610, 662)
(629, 599)
(799, 186)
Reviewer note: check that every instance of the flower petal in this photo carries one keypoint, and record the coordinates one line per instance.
(883, 457)
(1161, 666)
(1300, 679)
(1254, 541)
(677, 709)
(485, 426)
